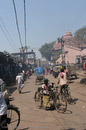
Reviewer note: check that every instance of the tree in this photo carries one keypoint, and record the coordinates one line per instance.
(80, 35)
(59, 52)
(46, 50)
(6, 53)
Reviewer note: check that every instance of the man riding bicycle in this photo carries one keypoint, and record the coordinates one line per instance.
(62, 80)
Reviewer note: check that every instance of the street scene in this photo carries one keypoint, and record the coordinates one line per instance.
(39, 119)
(42, 65)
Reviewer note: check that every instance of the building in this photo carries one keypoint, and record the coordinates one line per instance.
(56, 47)
(71, 51)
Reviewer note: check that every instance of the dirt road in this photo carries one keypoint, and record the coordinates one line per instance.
(33, 118)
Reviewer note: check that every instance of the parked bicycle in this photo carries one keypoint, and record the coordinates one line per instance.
(55, 98)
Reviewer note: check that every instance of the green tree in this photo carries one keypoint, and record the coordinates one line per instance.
(59, 52)
(6, 53)
(46, 50)
(80, 35)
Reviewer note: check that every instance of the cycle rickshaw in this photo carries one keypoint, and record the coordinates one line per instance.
(39, 75)
(55, 99)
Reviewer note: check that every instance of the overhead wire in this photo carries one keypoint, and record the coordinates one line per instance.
(6, 36)
(11, 40)
(17, 23)
(25, 21)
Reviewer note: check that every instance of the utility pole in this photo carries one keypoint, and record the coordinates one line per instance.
(22, 51)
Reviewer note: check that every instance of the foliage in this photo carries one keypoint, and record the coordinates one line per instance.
(46, 50)
(80, 35)
(59, 39)
(6, 53)
(59, 52)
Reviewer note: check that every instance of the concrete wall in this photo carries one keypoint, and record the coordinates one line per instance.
(72, 53)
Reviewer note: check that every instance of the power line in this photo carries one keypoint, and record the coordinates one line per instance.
(17, 23)
(8, 33)
(25, 21)
(6, 36)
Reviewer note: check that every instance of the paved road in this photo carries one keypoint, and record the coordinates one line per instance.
(33, 118)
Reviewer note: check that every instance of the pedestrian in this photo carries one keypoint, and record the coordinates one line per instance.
(3, 113)
(44, 71)
(19, 82)
(27, 73)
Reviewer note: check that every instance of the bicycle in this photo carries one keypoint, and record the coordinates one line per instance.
(13, 117)
(55, 99)
(60, 102)
(13, 114)
(66, 92)
(38, 97)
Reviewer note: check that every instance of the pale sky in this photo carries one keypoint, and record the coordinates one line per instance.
(46, 20)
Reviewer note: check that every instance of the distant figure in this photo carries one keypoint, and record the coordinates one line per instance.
(27, 73)
(44, 71)
(19, 82)
(24, 75)
(49, 71)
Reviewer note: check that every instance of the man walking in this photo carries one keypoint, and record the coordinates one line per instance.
(19, 83)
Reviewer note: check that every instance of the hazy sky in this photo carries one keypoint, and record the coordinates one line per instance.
(46, 20)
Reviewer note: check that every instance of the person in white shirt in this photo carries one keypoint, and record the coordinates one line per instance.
(19, 79)
(3, 112)
(62, 80)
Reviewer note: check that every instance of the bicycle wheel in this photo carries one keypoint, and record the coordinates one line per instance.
(13, 117)
(60, 103)
(68, 95)
(38, 99)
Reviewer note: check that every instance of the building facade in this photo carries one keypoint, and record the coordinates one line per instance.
(71, 52)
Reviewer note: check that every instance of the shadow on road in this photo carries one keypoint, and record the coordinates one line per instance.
(71, 80)
(25, 128)
(73, 101)
(70, 129)
(12, 89)
(25, 92)
(11, 99)
(67, 112)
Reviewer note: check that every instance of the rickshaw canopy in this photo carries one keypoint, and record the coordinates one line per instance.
(39, 70)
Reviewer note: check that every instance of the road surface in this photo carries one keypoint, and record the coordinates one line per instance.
(33, 118)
